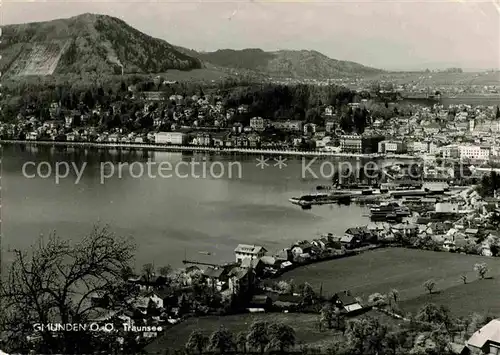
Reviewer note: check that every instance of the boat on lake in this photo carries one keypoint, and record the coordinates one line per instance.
(306, 201)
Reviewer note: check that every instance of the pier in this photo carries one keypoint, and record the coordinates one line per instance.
(193, 262)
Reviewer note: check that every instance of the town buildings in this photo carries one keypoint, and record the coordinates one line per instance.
(170, 138)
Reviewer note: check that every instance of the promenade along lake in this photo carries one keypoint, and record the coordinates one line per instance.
(169, 217)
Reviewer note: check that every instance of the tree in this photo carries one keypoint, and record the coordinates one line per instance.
(327, 315)
(284, 287)
(393, 296)
(55, 283)
(197, 342)
(489, 184)
(258, 336)
(152, 309)
(282, 337)
(495, 248)
(474, 322)
(339, 319)
(431, 313)
(377, 300)
(393, 341)
(429, 285)
(165, 270)
(148, 270)
(307, 293)
(222, 340)
(365, 336)
(241, 341)
(184, 303)
(127, 272)
(431, 343)
(481, 269)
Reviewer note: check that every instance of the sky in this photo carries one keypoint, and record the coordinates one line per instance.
(388, 34)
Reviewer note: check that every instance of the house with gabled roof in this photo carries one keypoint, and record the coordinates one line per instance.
(349, 241)
(486, 340)
(256, 264)
(216, 277)
(241, 280)
(346, 302)
(303, 247)
(245, 251)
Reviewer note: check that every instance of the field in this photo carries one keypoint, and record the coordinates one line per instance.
(376, 271)
(443, 79)
(480, 296)
(406, 270)
(305, 326)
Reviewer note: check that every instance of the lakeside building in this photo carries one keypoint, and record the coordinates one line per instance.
(465, 151)
(417, 147)
(245, 251)
(170, 138)
(351, 143)
(391, 146)
(257, 124)
(288, 125)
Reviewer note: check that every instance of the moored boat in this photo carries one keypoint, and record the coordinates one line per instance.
(320, 199)
(389, 211)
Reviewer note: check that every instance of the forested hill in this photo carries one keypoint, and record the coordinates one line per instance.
(285, 63)
(86, 43)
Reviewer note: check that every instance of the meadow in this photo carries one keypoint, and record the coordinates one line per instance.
(376, 271)
(306, 328)
(406, 270)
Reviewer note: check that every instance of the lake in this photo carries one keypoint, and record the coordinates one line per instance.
(169, 217)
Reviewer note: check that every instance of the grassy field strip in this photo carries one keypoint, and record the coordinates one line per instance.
(381, 270)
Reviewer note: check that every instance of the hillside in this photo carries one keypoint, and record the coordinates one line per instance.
(86, 43)
(286, 63)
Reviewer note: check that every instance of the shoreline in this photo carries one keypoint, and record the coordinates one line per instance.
(222, 150)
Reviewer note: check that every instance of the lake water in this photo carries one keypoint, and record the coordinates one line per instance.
(169, 218)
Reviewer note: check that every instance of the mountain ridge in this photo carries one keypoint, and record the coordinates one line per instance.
(283, 63)
(107, 45)
(86, 43)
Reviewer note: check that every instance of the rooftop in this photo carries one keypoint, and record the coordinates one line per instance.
(489, 333)
(252, 249)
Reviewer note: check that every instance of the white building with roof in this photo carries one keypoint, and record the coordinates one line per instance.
(486, 340)
(170, 138)
(245, 251)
